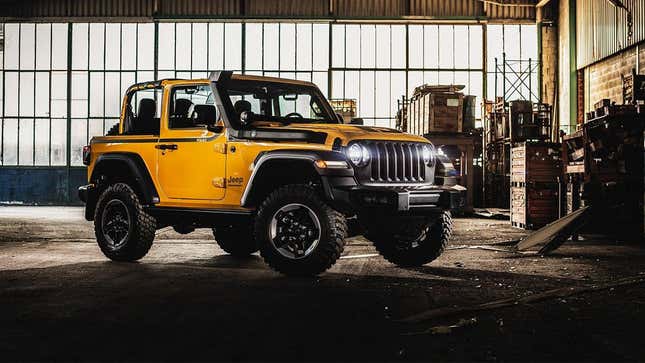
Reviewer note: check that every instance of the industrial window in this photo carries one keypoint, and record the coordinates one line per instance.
(373, 62)
(107, 58)
(513, 52)
(33, 96)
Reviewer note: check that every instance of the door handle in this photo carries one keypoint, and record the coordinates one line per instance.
(167, 146)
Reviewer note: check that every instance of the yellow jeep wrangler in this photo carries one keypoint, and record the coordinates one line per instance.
(269, 166)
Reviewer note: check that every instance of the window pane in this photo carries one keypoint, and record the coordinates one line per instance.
(446, 46)
(146, 46)
(271, 38)
(79, 139)
(41, 148)
(338, 42)
(398, 46)
(199, 47)
(11, 47)
(97, 94)
(11, 94)
(43, 46)
(353, 46)
(59, 94)
(79, 46)
(27, 46)
(431, 46)
(367, 94)
(113, 46)
(166, 46)
(337, 84)
(10, 142)
(352, 88)
(79, 94)
(397, 85)
(129, 46)
(287, 46)
(495, 45)
(304, 45)
(511, 42)
(112, 94)
(41, 100)
(27, 93)
(461, 49)
(415, 46)
(183, 41)
(382, 94)
(59, 46)
(368, 46)
(321, 41)
(475, 46)
(59, 142)
(26, 142)
(253, 46)
(383, 46)
(215, 46)
(97, 46)
(233, 47)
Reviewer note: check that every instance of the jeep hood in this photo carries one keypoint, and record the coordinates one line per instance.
(349, 133)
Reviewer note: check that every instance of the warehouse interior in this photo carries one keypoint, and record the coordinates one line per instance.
(535, 110)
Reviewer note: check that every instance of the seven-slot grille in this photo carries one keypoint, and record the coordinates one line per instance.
(396, 162)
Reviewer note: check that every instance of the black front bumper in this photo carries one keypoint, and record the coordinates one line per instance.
(414, 199)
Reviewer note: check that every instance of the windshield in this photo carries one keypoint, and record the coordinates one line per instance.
(281, 102)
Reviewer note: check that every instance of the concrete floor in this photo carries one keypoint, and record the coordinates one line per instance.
(60, 299)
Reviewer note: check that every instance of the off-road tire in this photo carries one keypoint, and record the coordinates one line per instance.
(236, 240)
(428, 249)
(142, 226)
(114, 130)
(333, 229)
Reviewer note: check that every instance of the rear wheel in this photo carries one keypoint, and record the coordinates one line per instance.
(414, 243)
(236, 240)
(298, 233)
(124, 231)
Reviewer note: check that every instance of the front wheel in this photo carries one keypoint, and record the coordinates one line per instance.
(415, 243)
(298, 233)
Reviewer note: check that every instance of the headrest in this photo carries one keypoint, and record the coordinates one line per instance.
(147, 108)
(182, 105)
(241, 106)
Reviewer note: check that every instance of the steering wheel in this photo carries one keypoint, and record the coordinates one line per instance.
(293, 114)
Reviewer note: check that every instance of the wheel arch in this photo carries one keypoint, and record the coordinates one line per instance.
(281, 167)
(123, 167)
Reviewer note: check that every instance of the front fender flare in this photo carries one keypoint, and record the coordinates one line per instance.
(311, 156)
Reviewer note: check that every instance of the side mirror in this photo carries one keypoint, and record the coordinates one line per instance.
(246, 117)
(356, 121)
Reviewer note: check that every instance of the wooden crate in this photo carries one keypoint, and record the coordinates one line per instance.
(535, 163)
(534, 206)
(436, 112)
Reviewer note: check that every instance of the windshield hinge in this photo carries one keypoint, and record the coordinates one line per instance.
(220, 148)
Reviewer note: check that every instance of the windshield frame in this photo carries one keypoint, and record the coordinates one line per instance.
(224, 102)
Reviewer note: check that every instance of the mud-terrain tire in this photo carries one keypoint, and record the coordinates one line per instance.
(236, 240)
(432, 241)
(114, 130)
(119, 212)
(298, 212)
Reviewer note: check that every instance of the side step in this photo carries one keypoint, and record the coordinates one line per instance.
(554, 234)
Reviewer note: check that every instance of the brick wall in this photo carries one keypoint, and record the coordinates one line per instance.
(603, 78)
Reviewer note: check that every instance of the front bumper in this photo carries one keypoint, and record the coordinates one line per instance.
(398, 200)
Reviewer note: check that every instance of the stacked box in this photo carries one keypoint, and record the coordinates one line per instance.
(436, 112)
(536, 170)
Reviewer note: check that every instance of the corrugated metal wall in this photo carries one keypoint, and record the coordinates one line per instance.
(149, 9)
(601, 29)
(519, 13)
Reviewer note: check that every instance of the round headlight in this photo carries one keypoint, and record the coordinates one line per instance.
(426, 153)
(358, 155)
